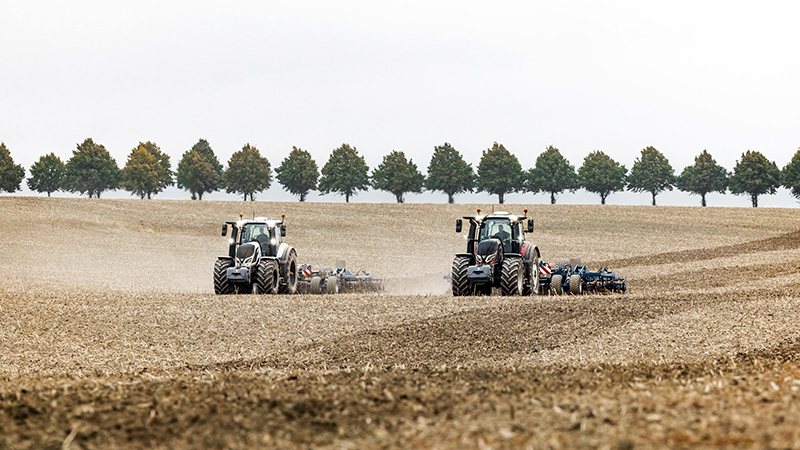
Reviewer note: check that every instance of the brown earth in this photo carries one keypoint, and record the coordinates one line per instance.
(111, 338)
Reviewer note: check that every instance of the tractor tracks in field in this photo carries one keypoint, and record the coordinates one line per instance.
(788, 241)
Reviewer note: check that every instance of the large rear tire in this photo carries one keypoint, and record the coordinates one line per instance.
(555, 284)
(290, 285)
(458, 276)
(222, 286)
(532, 286)
(266, 278)
(575, 285)
(511, 277)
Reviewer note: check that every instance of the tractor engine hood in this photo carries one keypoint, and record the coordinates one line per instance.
(489, 251)
(247, 253)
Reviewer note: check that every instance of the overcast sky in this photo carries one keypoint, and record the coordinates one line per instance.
(615, 76)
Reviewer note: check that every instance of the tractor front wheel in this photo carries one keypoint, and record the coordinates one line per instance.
(511, 277)
(222, 286)
(266, 278)
(458, 276)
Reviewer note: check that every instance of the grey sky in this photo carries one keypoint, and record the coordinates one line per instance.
(681, 76)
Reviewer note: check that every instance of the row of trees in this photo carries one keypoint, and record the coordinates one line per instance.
(91, 170)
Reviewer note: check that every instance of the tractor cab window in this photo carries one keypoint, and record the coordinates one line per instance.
(256, 233)
(496, 228)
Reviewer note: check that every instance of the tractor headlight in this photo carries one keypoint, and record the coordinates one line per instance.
(488, 259)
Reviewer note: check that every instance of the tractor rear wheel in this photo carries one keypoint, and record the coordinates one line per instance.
(575, 285)
(266, 278)
(458, 276)
(532, 286)
(511, 277)
(555, 284)
(290, 283)
(332, 285)
(222, 286)
(316, 285)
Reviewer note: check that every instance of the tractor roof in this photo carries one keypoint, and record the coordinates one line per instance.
(271, 223)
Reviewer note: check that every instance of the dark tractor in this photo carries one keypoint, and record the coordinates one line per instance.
(498, 256)
(257, 261)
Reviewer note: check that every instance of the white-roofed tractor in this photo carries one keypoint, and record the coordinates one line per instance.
(498, 256)
(258, 261)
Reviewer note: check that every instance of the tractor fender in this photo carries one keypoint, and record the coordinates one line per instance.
(225, 258)
(283, 251)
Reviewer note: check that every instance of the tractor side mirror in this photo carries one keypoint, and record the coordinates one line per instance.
(530, 226)
(224, 229)
(458, 225)
(283, 230)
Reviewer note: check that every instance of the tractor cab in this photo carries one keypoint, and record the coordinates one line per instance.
(268, 237)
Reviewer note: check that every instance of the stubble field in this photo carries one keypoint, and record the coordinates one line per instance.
(111, 337)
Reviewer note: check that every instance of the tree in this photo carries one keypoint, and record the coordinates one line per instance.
(449, 173)
(703, 177)
(346, 172)
(248, 172)
(47, 174)
(602, 175)
(11, 175)
(553, 174)
(147, 171)
(298, 173)
(397, 175)
(652, 173)
(499, 172)
(755, 175)
(91, 170)
(791, 175)
(199, 170)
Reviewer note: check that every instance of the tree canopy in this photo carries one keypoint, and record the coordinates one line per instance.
(790, 176)
(449, 173)
(602, 175)
(553, 174)
(11, 175)
(91, 170)
(755, 175)
(499, 172)
(199, 170)
(652, 173)
(346, 172)
(147, 171)
(703, 177)
(47, 174)
(248, 172)
(397, 175)
(298, 173)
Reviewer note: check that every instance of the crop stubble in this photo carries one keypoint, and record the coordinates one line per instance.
(109, 336)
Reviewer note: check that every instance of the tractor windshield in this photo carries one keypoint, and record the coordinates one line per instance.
(496, 228)
(255, 232)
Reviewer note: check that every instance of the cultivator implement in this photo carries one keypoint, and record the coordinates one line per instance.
(339, 280)
(572, 277)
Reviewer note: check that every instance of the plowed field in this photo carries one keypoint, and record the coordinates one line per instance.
(111, 337)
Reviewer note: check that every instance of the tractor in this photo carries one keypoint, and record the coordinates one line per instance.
(258, 261)
(498, 256)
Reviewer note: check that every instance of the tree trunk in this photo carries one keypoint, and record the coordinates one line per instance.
(450, 198)
(245, 196)
(703, 198)
(754, 198)
(654, 198)
(603, 198)
(200, 195)
(399, 198)
(302, 196)
(347, 197)
(500, 197)
(48, 193)
(552, 198)
(148, 196)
